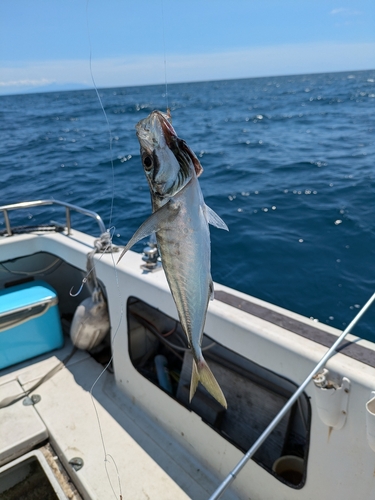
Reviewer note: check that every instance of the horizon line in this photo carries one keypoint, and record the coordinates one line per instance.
(87, 87)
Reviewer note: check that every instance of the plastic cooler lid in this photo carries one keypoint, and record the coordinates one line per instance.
(25, 295)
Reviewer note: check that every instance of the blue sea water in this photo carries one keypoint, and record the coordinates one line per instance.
(288, 164)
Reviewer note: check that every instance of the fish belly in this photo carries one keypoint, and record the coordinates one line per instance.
(185, 252)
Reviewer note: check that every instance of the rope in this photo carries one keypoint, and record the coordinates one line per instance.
(10, 400)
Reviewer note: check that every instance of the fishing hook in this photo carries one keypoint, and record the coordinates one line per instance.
(80, 288)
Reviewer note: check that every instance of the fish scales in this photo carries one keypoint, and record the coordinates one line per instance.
(186, 259)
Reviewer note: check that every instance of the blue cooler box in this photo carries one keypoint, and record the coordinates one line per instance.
(29, 322)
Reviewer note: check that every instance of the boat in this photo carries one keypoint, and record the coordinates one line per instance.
(114, 420)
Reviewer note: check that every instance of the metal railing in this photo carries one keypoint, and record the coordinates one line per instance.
(37, 203)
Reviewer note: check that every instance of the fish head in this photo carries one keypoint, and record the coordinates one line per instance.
(168, 162)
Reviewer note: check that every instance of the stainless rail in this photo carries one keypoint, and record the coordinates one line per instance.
(37, 203)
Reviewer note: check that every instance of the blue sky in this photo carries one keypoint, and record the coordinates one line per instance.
(44, 44)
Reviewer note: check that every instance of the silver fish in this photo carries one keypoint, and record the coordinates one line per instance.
(180, 220)
(90, 322)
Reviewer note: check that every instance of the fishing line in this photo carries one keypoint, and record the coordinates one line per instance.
(165, 59)
(104, 112)
(107, 457)
(106, 454)
(105, 238)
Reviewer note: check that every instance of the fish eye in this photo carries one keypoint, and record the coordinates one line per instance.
(147, 162)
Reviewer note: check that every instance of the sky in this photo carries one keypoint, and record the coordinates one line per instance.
(48, 44)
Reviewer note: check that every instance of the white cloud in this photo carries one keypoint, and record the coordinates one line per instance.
(345, 12)
(26, 83)
(141, 70)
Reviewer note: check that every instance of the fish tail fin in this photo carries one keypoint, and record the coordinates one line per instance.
(202, 373)
(194, 380)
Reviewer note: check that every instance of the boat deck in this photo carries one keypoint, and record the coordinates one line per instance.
(149, 463)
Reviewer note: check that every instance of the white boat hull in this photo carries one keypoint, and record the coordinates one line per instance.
(162, 449)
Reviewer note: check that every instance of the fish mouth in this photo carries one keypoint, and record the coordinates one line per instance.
(155, 130)
(166, 125)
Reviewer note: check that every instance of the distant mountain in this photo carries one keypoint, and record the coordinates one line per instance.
(51, 87)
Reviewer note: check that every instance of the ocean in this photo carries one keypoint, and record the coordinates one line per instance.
(288, 164)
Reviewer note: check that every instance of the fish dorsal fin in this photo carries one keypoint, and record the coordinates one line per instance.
(213, 219)
(152, 224)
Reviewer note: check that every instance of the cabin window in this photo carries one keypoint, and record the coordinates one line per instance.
(158, 350)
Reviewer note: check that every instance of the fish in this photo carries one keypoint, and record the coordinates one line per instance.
(90, 322)
(180, 222)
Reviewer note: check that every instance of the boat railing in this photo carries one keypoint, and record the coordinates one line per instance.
(5, 209)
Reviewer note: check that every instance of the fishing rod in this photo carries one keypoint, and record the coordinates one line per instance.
(232, 475)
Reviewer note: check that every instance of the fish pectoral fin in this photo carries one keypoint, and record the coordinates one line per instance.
(213, 219)
(152, 224)
(202, 373)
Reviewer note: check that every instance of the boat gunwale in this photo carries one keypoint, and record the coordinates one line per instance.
(351, 349)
